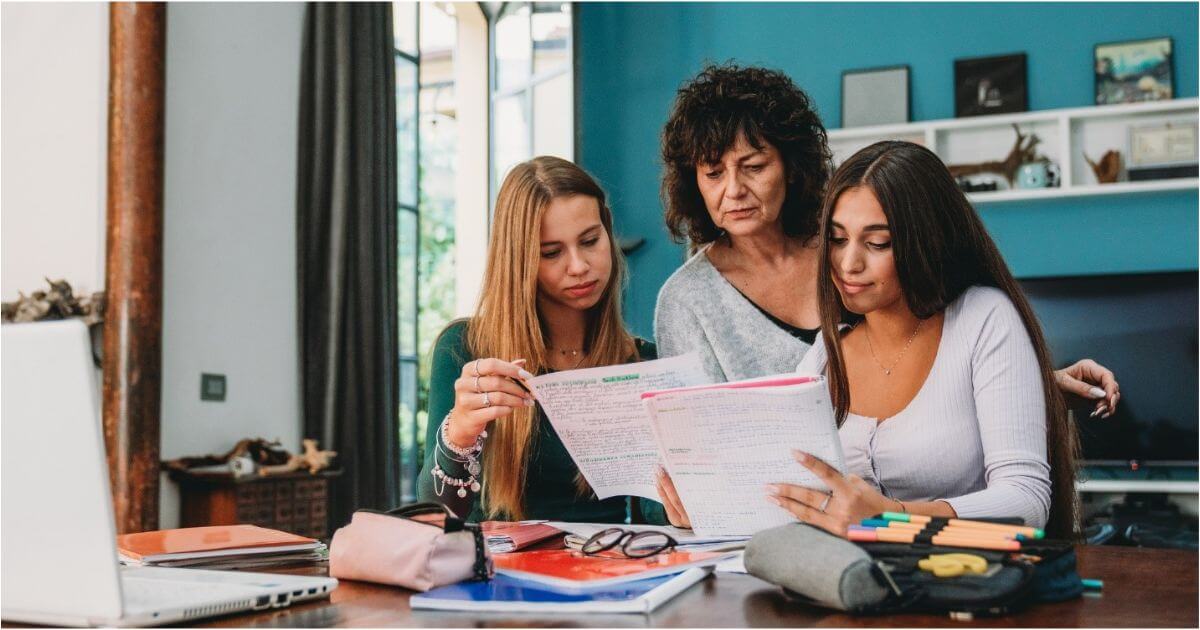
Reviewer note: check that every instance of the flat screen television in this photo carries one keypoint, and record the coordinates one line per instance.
(1144, 328)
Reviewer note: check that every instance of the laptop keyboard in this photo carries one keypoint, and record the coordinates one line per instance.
(199, 598)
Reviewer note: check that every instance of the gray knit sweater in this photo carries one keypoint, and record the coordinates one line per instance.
(699, 310)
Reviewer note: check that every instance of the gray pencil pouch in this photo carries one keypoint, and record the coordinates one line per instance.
(827, 570)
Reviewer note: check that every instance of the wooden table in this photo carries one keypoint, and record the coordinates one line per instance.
(1142, 587)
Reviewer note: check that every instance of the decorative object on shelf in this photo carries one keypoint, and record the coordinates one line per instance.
(60, 302)
(990, 85)
(314, 459)
(875, 96)
(1163, 151)
(1108, 169)
(251, 456)
(966, 185)
(1134, 71)
(1023, 152)
(1040, 174)
(57, 303)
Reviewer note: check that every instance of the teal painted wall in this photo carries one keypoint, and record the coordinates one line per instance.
(631, 57)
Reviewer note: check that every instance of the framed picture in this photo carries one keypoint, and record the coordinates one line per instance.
(1133, 71)
(1163, 144)
(875, 96)
(990, 85)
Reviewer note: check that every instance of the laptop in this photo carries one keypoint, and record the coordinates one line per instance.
(58, 555)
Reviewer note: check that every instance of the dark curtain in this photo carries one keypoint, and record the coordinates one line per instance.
(346, 241)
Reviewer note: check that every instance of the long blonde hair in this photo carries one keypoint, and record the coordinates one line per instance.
(507, 324)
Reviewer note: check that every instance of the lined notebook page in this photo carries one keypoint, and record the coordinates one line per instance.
(723, 445)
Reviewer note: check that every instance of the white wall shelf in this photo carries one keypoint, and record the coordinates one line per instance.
(1138, 485)
(1066, 135)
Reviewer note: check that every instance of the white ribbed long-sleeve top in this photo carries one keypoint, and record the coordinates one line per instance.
(975, 433)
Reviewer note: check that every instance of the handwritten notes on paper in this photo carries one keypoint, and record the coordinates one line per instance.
(723, 444)
(599, 416)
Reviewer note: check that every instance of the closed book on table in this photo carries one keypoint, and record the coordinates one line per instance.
(504, 536)
(214, 541)
(505, 593)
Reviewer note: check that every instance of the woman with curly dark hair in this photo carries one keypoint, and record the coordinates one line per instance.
(746, 163)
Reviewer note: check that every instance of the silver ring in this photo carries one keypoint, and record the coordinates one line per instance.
(486, 401)
(477, 390)
(475, 366)
(825, 503)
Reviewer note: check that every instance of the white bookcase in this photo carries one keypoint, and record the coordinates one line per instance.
(1066, 136)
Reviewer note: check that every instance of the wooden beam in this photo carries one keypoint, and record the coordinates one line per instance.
(133, 266)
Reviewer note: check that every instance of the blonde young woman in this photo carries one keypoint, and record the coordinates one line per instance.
(550, 301)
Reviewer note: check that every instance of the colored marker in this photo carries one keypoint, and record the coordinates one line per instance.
(949, 529)
(905, 517)
(884, 535)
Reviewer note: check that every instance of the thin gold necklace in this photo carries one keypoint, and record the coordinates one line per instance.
(888, 370)
(578, 355)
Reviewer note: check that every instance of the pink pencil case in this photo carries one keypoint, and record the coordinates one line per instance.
(419, 546)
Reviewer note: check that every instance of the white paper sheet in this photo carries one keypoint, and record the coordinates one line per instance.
(722, 446)
(599, 416)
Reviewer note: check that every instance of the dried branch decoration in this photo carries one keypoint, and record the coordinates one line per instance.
(1109, 167)
(1023, 152)
(57, 303)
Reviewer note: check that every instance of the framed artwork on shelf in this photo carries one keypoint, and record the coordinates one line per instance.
(875, 96)
(1160, 144)
(1134, 71)
(990, 85)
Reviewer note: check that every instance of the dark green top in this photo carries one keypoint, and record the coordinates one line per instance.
(550, 491)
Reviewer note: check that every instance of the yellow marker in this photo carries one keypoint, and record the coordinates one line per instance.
(973, 563)
(953, 564)
(942, 568)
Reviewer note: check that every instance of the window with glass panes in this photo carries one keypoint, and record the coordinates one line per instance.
(407, 60)
(530, 60)
(532, 84)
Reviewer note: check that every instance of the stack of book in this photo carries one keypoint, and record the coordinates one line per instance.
(566, 581)
(219, 547)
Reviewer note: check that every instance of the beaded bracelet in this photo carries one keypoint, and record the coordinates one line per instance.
(470, 457)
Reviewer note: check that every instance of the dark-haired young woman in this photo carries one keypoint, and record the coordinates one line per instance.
(942, 383)
(746, 164)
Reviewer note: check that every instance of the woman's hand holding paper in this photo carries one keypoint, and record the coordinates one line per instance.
(676, 515)
(486, 390)
(851, 501)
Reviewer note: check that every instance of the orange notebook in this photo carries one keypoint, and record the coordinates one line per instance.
(569, 569)
(506, 536)
(199, 542)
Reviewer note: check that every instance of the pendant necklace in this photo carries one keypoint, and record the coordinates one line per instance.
(887, 371)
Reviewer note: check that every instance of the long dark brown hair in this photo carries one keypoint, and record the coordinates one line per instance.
(941, 249)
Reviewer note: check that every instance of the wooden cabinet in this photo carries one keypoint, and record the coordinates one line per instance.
(293, 502)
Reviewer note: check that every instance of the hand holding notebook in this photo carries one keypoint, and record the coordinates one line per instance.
(721, 444)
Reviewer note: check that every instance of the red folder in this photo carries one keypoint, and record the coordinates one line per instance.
(565, 568)
(147, 546)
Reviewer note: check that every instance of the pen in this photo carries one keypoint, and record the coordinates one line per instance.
(948, 529)
(1028, 532)
(884, 535)
(972, 534)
